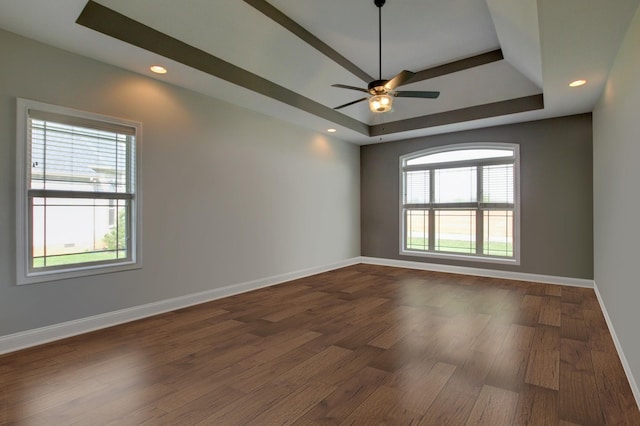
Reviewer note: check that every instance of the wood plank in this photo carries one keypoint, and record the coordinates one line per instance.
(318, 364)
(543, 369)
(494, 406)
(574, 328)
(537, 407)
(455, 401)
(544, 359)
(529, 311)
(349, 366)
(509, 369)
(576, 356)
(245, 409)
(599, 337)
(578, 401)
(550, 312)
(258, 376)
(390, 336)
(574, 295)
(381, 407)
(553, 290)
(420, 386)
(337, 406)
(296, 404)
(492, 337)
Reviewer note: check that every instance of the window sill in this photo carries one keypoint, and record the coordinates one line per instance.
(77, 272)
(462, 257)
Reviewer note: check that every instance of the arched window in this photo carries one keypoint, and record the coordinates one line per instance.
(461, 201)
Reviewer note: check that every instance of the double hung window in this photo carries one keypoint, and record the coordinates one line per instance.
(78, 203)
(461, 201)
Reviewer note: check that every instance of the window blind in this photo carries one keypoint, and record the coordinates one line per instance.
(417, 187)
(70, 157)
(497, 184)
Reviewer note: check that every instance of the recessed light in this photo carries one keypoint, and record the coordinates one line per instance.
(158, 69)
(577, 83)
(331, 130)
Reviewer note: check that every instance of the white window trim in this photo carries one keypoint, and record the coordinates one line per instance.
(23, 275)
(516, 206)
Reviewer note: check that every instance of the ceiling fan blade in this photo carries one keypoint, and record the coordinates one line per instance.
(417, 94)
(344, 86)
(351, 103)
(399, 79)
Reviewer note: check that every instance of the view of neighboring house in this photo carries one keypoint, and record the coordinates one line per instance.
(72, 162)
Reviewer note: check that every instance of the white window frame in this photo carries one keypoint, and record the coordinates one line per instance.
(25, 274)
(515, 260)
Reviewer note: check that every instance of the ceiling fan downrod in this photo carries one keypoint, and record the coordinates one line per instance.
(379, 4)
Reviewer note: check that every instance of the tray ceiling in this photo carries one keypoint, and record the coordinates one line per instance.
(494, 61)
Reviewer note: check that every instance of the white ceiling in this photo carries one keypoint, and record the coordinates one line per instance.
(545, 43)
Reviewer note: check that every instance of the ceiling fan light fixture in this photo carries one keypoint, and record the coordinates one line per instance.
(380, 103)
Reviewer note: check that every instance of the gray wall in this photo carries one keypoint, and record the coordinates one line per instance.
(556, 195)
(229, 195)
(616, 155)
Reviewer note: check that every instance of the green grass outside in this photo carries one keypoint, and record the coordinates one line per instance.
(78, 258)
(456, 246)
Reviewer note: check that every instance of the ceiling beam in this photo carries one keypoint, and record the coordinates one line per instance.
(313, 41)
(109, 22)
(461, 65)
(495, 109)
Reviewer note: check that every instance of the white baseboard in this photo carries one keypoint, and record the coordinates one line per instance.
(492, 273)
(38, 336)
(616, 342)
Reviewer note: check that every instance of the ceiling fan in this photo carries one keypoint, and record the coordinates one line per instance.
(383, 91)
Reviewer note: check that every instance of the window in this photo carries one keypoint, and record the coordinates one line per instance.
(78, 195)
(461, 201)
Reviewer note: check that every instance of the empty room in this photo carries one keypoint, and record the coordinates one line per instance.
(270, 212)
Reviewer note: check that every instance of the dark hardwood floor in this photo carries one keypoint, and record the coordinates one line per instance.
(363, 345)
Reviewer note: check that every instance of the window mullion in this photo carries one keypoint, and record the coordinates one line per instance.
(45, 139)
(479, 212)
(131, 187)
(432, 216)
(52, 193)
(458, 164)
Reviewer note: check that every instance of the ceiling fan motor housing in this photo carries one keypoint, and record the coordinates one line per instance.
(378, 87)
